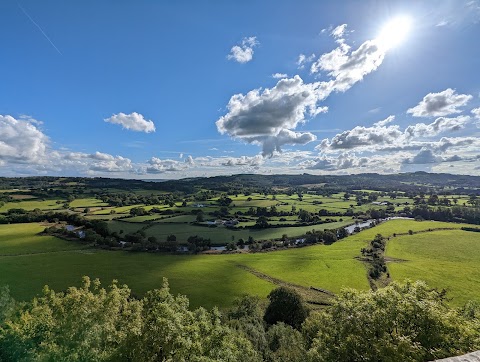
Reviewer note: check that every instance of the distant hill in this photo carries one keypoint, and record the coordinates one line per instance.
(417, 181)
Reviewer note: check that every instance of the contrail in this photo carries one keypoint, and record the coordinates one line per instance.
(39, 28)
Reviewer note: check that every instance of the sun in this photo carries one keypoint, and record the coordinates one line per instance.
(395, 31)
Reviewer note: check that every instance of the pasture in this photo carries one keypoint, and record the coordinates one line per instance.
(33, 204)
(445, 259)
(28, 261)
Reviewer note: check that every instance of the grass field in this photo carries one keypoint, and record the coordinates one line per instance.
(23, 239)
(29, 261)
(90, 202)
(445, 259)
(32, 205)
(218, 235)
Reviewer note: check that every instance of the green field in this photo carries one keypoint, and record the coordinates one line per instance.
(445, 259)
(32, 205)
(90, 202)
(22, 239)
(29, 261)
(218, 235)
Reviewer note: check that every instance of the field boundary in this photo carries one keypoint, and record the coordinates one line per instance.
(312, 295)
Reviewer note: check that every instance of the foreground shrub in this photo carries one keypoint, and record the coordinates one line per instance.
(402, 322)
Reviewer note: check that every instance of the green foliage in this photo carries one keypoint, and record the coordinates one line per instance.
(7, 304)
(93, 324)
(286, 306)
(171, 332)
(86, 323)
(285, 344)
(402, 322)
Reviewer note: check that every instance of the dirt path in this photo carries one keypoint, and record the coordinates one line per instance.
(312, 295)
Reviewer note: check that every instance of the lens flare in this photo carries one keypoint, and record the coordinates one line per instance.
(394, 32)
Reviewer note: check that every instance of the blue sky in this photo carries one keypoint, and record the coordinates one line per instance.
(157, 89)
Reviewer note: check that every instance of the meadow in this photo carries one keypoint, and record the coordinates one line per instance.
(444, 259)
(28, 261)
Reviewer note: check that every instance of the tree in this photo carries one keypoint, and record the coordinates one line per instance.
(305, 216)
(86, 324)
(285, 344)
(171, 238)
(262, 222)
(172, 332)
(200, 217)
(401, 322)
(286, 306)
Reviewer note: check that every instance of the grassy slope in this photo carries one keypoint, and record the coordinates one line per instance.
(445, 259)
(22, 239)
(207, 280)
(31, 205)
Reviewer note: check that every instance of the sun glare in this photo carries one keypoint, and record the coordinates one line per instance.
(395, 31)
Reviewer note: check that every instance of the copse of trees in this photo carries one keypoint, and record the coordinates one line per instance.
(470, 215)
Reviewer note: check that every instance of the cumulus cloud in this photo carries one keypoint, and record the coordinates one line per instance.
(446, 143)
(476, 112)
(133, 121)
(109, 163)
(341, 162)
(244, 161)
(441, 124)
(279, 75)
(339, 32)
(97, 162)
(440, 104)
(363, 136)
(157, 165)
(348, 67)
(243, 53)
(267, 117)
(304, 60)
(189, 161)
(382, 136)
(384, 122)
(21, 141)
(424, 156)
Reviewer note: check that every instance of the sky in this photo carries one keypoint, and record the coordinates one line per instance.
(165, 90)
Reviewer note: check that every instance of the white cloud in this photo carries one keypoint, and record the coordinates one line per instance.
(385, 121)
(443, 103)
(157, 165)
(476, 114)
(133, 121)
(189, 161)
(279, 75)
(384, 137)
(424, 156)
(339, 32)
(267, 117)
(348, 67)
(21, 141)
(365, 137)
(109, 163)
(244, 161)
(441, 124)
(304, 60)
(243, 53)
